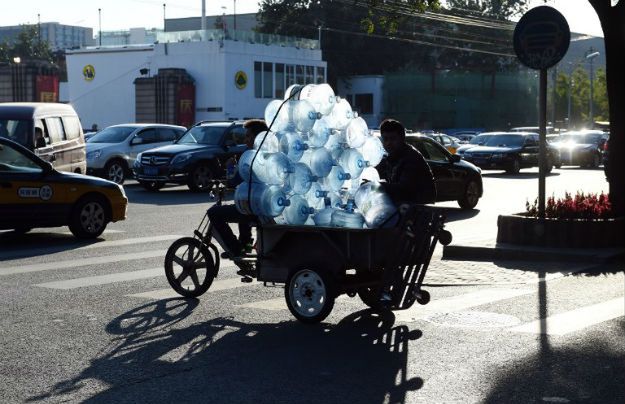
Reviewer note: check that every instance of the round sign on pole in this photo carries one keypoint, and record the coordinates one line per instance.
(541, 38)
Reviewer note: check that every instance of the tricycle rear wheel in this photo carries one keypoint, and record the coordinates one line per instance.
(189, 267)
(309, 295)
(371, 297)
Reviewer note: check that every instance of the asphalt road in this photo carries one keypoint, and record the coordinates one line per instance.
(97, 322)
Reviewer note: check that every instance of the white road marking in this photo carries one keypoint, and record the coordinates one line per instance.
(277, 303)
(130, 241)
(574, 320)
(103, 279)
(75, 263)
(169, 293)
(458, 303)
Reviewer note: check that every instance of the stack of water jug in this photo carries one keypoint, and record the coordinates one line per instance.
(309, 167)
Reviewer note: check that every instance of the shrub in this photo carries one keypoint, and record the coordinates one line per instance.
(582, 206)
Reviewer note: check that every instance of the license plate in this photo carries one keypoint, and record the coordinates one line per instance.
(150, 170)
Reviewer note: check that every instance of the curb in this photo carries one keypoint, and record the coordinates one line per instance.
(514, 253)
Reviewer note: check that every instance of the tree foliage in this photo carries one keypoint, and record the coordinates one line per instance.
(27, 46)
(498, 9)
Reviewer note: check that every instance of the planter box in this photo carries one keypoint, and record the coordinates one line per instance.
(571, 233)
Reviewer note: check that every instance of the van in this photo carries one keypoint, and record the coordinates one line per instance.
(62, 143)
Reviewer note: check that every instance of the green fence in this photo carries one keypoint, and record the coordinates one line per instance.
(447, 99)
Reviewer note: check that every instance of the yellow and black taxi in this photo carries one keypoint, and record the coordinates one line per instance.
(33, 194)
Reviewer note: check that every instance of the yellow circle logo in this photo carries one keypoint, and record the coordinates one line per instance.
(88, 72)
(240, 80)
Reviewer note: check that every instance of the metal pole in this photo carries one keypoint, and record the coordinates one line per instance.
(203, 15)
(164, 15)
(542, 142)
(100, 26)
(553, 102)
(235, 15)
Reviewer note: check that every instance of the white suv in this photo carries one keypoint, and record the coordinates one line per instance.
(112, 151)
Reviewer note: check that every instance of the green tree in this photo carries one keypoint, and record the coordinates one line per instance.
(498, 9)
(27, 46)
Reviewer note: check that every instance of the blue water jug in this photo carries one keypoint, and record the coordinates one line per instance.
(319, 134)
(315, 196)
(268, 201)
(272, 168)
(297, 212)
(304, 115)
(300, 180)
(292, 144)
(347, 217)
(352, 162)
(284, 119)
(375, 205)
(341, 115)
(319, 160)
(321, 96)
(335, 180)
(269, 141)
(323, 217)
(372, 150)
(356, 132)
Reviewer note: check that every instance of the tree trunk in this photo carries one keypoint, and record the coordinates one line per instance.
(613, 25)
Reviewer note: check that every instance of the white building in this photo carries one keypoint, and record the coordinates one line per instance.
(365, 94)
(234, 79)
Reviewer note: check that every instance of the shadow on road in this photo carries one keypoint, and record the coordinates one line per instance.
(171, 196)
(14, 245)
(455, 214)
(363, 358)
(519, 176)
(593, 372)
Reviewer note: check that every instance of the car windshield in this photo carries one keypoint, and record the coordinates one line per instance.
(115, 134)
(16, 130)
(505, 141)
(210, 135)
(581, 139)
(480, 139)
(12, 160)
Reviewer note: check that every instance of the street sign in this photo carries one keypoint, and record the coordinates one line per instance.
(541, 38)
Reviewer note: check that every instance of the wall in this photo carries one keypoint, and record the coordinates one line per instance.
(349, 87)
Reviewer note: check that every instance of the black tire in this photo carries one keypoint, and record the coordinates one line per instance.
(115, 170)
(371, 297)
(515, 166)
(183, 260)
(89, 217)
(201, 178)
(152, 186)
(471, 195)
(309, 295)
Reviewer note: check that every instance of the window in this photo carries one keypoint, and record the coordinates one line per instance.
(267, 80)
(321, 75)
(433, 152)
(364, 103)
(235, 136)
(167, 134)
(148, 136)
(72, 127)
(310, 74)
(279, 80)
(258, 80)
(290, 75)
(55, 130)
(299, 74)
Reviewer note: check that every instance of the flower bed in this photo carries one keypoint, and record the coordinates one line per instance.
(583, 221)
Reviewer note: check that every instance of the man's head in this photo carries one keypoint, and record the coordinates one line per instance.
(252, 128)
(393, 136)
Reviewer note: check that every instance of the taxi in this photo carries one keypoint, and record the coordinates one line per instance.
(33, 194)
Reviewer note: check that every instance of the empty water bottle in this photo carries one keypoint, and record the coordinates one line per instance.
(283, 119)
(375, 204)
(357, 132)
(244, 164)
(269, 142)
(335, 180)
(319, 160)
(370, 174)
(320, 133)
(304, 115)
(341, 114)
(321, 96)
(323, 217)
(336, 139)
(315, 196)
(272, 168)
(260, 199)
(352, 162)
(300, 180)
(292, 144)
(297, 212)
(372, 150)
(347, 218)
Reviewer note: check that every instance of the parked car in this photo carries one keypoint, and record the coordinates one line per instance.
(37, 195)
(476, 141)
(111, 153)
(465, 136)
(89, 135)
(581, 148)
(450, 143)
(196, 159)
(605, 156)
(62, 144)
(456, 180)
(535, 129)
(510, 151)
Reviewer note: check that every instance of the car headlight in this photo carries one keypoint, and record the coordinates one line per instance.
(92, 155)
(137, 162)
(181, 158)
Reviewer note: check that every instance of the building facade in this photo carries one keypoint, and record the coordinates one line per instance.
(59, 36)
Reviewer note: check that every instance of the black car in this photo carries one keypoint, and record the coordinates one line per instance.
(456, 180)
(583, 148)
(511, 151)
(476, 141)
(196, 159)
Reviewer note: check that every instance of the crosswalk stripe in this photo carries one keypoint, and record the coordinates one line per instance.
(459, 302)
(567, 322)
(169, 293)
(103, 279)
(75, 263)
(130, 241)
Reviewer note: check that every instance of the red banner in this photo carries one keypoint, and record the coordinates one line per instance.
(47, 88)
(185, 102)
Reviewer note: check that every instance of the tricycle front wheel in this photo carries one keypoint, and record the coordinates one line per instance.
(309, 295)
(189, 267)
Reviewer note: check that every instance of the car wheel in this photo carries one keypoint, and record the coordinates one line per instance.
(201, 178)
(471, 195)
(515, 166)
(595, 162)
(152, 185)
(89, 217)
(115, 170)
